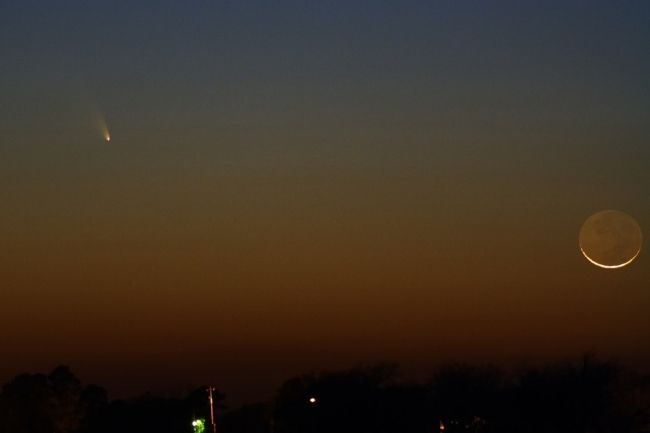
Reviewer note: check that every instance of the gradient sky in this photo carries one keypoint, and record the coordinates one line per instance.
(299, 185)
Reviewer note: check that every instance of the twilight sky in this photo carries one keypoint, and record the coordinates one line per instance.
(298, 185)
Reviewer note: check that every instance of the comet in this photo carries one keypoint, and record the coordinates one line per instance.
(102, 126)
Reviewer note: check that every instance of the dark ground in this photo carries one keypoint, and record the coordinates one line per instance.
(591, 396)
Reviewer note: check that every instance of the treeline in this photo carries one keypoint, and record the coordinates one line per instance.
(591, 396)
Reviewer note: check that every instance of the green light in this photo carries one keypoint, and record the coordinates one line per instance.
(198, 425)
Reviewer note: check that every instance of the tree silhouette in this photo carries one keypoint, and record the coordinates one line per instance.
(592, 396)
(56, 403)
(365, 399)
(466, 397)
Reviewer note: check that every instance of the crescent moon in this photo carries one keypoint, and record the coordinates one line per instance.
(610, 239)
(608, 266)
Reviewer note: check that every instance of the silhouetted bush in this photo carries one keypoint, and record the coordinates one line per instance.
(589, 397)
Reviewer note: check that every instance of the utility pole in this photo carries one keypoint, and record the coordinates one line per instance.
(211, 400)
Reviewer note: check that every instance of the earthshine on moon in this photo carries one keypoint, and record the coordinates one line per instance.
(610, 239)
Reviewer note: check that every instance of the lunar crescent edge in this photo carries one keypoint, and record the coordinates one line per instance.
(609, 266)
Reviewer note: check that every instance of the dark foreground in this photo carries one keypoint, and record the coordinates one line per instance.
(587, 397)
